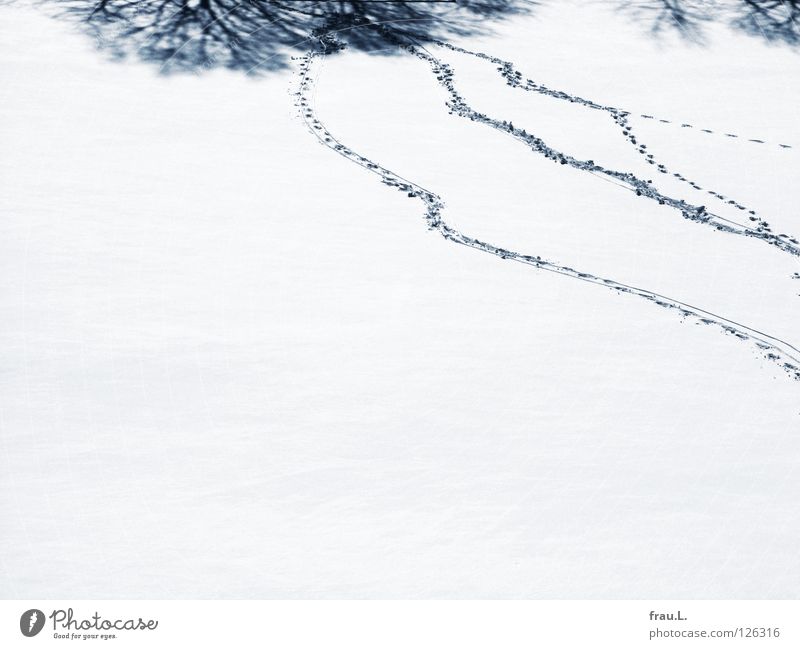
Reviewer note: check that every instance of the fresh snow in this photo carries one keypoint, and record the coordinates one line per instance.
(236, 364)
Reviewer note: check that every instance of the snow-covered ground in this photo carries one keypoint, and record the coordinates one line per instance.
(235, 364)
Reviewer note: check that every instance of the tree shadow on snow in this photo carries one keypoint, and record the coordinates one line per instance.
(255, 36)
(774, 21)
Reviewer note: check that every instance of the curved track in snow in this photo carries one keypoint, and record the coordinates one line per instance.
(757, 228)
(774, 349)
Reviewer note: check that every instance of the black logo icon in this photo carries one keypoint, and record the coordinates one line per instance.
(31, 622)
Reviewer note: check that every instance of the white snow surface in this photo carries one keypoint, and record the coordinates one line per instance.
(235, 365)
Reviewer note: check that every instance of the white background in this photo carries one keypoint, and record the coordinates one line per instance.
(402, 624)
(236, 366)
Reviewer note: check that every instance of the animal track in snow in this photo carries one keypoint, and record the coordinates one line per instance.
(759, 229)
(773, 349)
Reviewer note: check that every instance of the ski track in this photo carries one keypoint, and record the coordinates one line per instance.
(773, 349)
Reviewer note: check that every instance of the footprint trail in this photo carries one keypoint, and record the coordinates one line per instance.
(774, 349)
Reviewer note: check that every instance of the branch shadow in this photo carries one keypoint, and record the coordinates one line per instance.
(776, 21)
(258, 36)
(773, 21)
